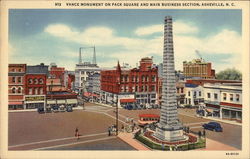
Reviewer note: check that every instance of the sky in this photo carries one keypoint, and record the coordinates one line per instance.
(49, 35)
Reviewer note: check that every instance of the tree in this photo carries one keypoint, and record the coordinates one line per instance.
(229, 74)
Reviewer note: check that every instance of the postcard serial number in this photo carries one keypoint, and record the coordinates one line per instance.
(232, 153)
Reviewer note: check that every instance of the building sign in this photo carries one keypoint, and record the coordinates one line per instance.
(35, 98)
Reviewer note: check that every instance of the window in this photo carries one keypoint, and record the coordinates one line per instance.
(30, 91)
(40, 81)
(142, 78)
(142, 88)
(136, 88)
(208, 95)
(215, 96)
(200, 93)
(36, 81)
(189, 93)
(224, 96)
(178, 90)
(237, 97)
(146, 88)
(153, 95)
(182, 90)
(146, 78)
(19, 79)
(36, 90)
(13, 90)
(19, 90)
(153, 78)
(194, 93)
(41, 90)
(12, 70)
(30, 81)
(231, 97)
(19, 70)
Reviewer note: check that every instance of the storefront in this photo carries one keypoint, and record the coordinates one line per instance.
(34, 101)
(231, 113)
(61, 98)
(16, 105)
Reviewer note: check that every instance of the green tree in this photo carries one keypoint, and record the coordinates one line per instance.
(229, 74)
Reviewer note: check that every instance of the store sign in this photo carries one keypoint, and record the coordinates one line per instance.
(35, 98)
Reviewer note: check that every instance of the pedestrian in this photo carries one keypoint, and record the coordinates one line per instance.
(199, 133)
(162, 146)
(176, 148)
(77, 133)
(204, 132)
(188, 129)
(122, 128)
(109, 131)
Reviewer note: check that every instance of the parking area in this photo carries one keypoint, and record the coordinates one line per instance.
(31, 130)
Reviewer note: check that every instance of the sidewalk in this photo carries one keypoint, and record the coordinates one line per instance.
(128, 138)
(216, 146)
(35, 110)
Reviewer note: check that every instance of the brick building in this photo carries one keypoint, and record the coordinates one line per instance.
(16, 91)
(35, 86)
(57, 73)
(198, 68)
(138, 85)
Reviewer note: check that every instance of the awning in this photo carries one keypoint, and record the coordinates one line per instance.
(16, 103)
(209, 110)
(127, 100)
(51, 101)
(89, 94)
(60, 101)
(71, 101)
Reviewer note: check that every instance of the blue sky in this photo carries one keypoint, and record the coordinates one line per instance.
(47, 35)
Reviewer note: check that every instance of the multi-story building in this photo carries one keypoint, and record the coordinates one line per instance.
(82, 71)
(140, 83)
(16, 79)
(69, 80)
(224, 100)
(194, 94)
(93, 85)
(180, 93)
(198, 68)
(35, 86)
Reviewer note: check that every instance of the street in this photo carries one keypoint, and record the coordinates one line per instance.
(55, 131)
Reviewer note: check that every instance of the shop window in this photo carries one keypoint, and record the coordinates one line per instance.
(231, 97)
(208, 95)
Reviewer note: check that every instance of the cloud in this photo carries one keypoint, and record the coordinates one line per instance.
(132, 49)
(180, 27)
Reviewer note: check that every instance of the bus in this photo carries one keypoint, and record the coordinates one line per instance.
(145, 119)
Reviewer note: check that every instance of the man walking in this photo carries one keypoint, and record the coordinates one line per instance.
(77, 133)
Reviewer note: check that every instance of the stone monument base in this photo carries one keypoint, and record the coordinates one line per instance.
(170, 133)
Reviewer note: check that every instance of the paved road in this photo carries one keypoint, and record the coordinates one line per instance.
(30, 130)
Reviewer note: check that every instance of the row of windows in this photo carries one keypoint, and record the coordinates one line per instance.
(35, 81)
(16, 70)
(231, 96)
(137, 88)
(195, 93)
(15, 90)
(35, 91)
(136, 78)
(16, 79)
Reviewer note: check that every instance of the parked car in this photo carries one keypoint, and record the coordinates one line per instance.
(62, 108)
(213, 126)
(40, 110)
(69, 109)
(55, 109)
(129, 107)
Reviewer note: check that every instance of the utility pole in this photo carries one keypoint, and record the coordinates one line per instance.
(117, 114)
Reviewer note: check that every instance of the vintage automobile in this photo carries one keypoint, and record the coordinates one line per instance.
(213, 126)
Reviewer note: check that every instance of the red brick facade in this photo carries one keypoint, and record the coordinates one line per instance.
(142, 80)
(35, 84)
(16, 79)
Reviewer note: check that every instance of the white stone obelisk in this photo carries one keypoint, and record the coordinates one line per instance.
(169, 128)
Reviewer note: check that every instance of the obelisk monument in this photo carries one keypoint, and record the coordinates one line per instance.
(169, 128)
